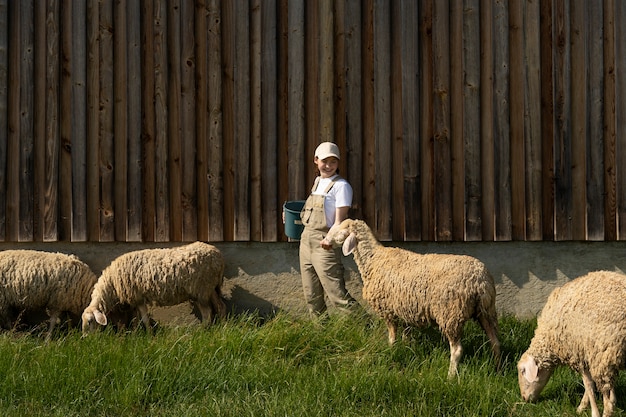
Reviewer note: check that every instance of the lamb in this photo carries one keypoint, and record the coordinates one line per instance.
(583, 326)
(163, 277)
(420, 289)
(34, 280)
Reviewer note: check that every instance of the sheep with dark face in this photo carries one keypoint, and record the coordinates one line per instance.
(403, 286)
(162, 277)
(33, 280)
(583, 326)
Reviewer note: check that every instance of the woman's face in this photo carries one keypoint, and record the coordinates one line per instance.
(327, 167)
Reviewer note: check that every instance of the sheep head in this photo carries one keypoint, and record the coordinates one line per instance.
(91, 316)
(344, 235)
(532, 378)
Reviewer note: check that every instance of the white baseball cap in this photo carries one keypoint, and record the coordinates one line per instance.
(327, 149)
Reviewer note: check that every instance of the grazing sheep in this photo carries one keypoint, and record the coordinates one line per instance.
(418, 290)
(583, 326)
(33, 280)
(163, 277)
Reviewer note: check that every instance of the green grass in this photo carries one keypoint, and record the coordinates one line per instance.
(284, 366)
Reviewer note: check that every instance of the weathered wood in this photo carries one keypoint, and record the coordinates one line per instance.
(502, 130)
(93, 126)
(4, 100)
(202, 119)
(256, 206)
(620, 116)
(487, 120)
(162, 117)
(442, 122)
(470, 198)
(410, 111)
(65, 117)
(369, 115)
(148, 122)
(134, 109)
(106, 159)
(532, 166)
(312, 95)
(609, 119)
(460, 76)
(189, 198)
(215, 175)
(39, 118)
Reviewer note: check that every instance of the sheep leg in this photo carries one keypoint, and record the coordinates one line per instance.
(206, 312)
(589, 394)
(54, 318)
(145, 317)
(218, 304)
(456, 350)
(608, 395)
(392, 328)
(490, 329)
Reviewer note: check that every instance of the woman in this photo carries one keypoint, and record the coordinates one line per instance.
(328, 205)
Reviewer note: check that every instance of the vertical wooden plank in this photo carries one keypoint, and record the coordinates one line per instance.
(52, 139)
(134, 162)
(442, 121)
(547, 118)
(120, 119)
(295, 99)
(620, 116)
(148, 122)
(595, 138)
(269, 119)
(26, 133)
(228, 42)
(13, 126)
(382, 110)
(563, 128)
(427, 121)
(106, 126)
(609, 118)
(579, 115)
(4, 83)
(517, 117)
(340, 87)
(351, 65)
(284, 88)
(471, 123)
(202, 119)
(39, 122)
(162, 118)
(175, 107)
(398, 213)
(242, 127)
(457, 117)
(532, 121)
(78, 121)
(256, 208)
(188, 119)
(369, 116)
(65, 112)
(408, 31)
(502, 131)
(215, 141)
(312, 95)
(327, 65)
(487, 120)
(93, 127)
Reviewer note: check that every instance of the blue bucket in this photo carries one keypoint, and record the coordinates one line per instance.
(293, 223)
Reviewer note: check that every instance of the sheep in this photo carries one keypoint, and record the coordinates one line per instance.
(32, 280)
(583, 326)
(419, 289)
(164, 277)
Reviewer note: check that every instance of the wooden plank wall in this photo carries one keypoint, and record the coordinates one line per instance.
(177, 120)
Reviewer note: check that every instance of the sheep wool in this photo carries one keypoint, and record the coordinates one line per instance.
(162, 277)
(422, 289)
(583, 326)
(34, 280)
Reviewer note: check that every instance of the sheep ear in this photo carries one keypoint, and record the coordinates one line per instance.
(349, 244)
(100, 317)
(531, 370)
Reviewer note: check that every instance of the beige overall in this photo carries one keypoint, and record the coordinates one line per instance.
(322, 270)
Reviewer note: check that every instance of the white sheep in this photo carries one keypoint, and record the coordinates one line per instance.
(33, 280)
(583, 326)
(420, 289)
(162, 277)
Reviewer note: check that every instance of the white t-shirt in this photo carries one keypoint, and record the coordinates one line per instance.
(338, 196)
